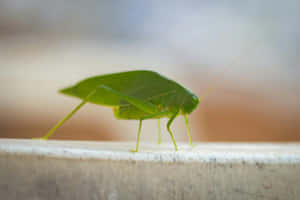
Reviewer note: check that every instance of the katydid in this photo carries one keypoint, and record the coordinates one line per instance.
(137, 95)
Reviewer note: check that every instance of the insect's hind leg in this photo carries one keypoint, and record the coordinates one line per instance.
(188, 130)
(171, 134)
(67, 117)
(138, 138)
(62, 121)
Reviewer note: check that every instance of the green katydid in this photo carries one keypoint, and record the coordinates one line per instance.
(138, 95)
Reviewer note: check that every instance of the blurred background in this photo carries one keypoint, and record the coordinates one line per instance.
(251, 48)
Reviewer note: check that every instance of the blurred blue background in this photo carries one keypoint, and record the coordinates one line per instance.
(250, 47)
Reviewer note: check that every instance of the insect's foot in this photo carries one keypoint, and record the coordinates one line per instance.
(133, 150)
(193, 145)
(40, 138)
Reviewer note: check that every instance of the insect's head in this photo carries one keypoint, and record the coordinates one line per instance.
(190, 104)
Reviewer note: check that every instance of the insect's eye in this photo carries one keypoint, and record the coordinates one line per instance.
(195, 99)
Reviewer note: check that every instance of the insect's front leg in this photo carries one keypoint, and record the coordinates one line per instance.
(188, 130)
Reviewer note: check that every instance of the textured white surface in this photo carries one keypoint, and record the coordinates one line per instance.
(34, 169)
(222, 152)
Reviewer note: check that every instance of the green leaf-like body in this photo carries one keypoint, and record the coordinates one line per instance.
(149, 86)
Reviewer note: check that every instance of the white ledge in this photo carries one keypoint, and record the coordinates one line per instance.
(36, 169)
(203, 152)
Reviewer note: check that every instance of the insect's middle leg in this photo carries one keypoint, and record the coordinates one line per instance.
(158, 122)
(168, 124)
(140, 127)
(138, 138)
(168, 127)
(159, 132)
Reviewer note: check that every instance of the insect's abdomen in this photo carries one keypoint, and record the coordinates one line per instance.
(131, 112)
(128, 112)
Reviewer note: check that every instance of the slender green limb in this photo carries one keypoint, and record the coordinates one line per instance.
(138, 138)
(67, 117)
(63, 121)
(140, 127)
(158, 122)
(159, 132)
(188, 130)
(168, 127)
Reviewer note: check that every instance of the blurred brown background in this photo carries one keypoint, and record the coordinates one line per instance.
(250, 48)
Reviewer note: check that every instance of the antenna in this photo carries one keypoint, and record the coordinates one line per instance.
(210, 89)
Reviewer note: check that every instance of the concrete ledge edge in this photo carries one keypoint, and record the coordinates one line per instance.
(281, 153)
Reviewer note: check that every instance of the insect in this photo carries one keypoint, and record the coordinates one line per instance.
(136, 95)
